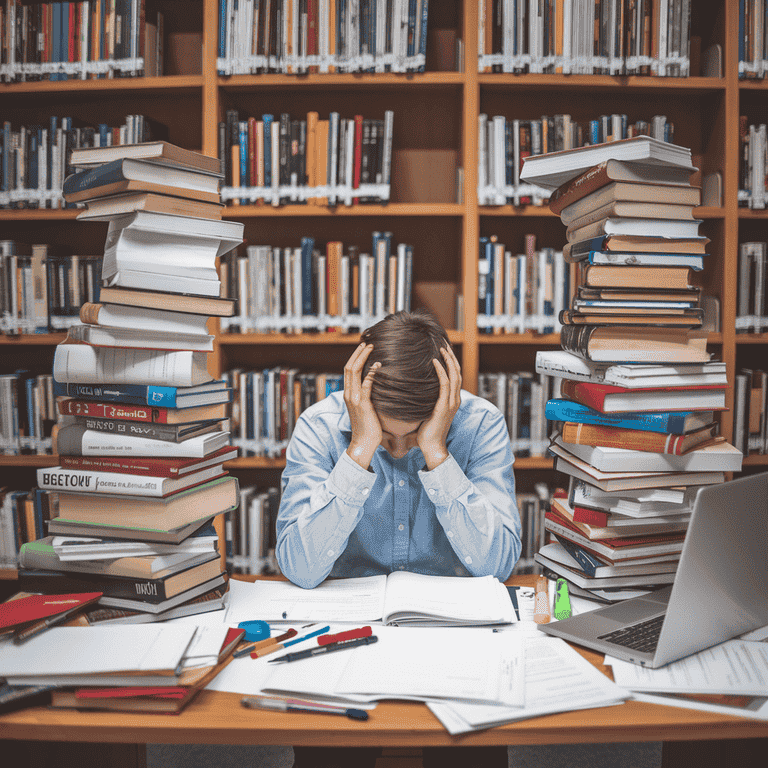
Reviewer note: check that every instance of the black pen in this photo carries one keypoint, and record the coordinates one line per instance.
(325, 649)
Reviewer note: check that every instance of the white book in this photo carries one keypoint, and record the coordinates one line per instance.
(84, 364)
(482, 150)
(125, 316)
(139, 338)
(722, 457)
(401, 274)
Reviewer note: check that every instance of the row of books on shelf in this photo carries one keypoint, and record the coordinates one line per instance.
(753, 43)
(35, 159)
(751, 312)
(299, 37)
(750, 411)
(42, 290)
(649, 37)
(753, 175)
(504, 143)
(335, 288)
(277, 159)
(80, 40)
(27, 413)
(520, 292)
(251, 533)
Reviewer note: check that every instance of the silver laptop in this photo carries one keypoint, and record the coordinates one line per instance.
(720, 588)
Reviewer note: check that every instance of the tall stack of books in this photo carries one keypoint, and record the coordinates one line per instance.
(634, 425)
(142, 436)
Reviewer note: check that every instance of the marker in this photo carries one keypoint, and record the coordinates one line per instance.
(562, 600)
(296, 705)
(321, 649)
(350, 634)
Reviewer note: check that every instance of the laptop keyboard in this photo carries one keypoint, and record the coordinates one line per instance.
(639, 637)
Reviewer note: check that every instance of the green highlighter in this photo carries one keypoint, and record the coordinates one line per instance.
(562, 600)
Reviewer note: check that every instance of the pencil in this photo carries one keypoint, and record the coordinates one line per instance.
(257, 644)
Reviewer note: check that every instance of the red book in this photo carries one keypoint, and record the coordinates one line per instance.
(154, 415)
(591, 516)
(358, 153)
(146, 465)
(608, 398)
(24, 611)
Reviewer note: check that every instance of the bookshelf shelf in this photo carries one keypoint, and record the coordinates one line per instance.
(603, 83)
(123, 86)
(27, 460)
(369, 209)
(281, 339)
(39, 214)
(529, 338)
(8, 574)
(751, 338)
(756, 460)
(393, 80)
(35, 339)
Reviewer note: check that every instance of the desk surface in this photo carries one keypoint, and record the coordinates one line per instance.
(217, 718)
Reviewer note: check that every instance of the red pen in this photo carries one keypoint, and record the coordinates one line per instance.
(350, 634)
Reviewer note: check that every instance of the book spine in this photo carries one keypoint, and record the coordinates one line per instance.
(628, 439)
(566, 410)
(587, 562)
(134, 466)
(136, 394)
(151, 591)
(92, 481)
(577, 390)
(590, 516)
(110, 411)
(167, 433)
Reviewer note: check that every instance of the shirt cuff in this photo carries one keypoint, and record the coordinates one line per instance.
(350, 482)
(445, 482)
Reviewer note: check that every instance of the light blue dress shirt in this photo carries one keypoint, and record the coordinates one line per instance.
(338, 519)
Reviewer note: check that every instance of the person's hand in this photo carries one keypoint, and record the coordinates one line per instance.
(433, 432)
(366, 429)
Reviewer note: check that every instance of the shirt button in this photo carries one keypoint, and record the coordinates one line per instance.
(468, 560)
(450, 534)
(330, 553)
(365, 491)
(401, 483)
(400, 527)
(431, 491)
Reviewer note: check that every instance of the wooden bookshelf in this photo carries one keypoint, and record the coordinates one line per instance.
(705, 111)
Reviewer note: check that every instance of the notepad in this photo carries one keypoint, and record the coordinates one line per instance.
(401, 598)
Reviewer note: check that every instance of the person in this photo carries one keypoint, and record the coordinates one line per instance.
(403, 470)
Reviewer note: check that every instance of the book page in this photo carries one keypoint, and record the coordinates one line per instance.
(344, 600)
(455, 599)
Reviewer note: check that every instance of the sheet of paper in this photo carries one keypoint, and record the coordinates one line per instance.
(753, 707)
(83, 650)
(345, 600)
(412, 663)
(557, 679)
(734, 667)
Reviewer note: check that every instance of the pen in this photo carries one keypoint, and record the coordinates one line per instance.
(40, 626)
(279, 646)
(289, 705)
(325, 649)
(256, 644)
(350, 634)
(180, 665)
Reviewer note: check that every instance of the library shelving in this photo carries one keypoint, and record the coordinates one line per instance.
(436, 118)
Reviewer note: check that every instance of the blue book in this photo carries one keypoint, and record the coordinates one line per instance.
(307, 247)
(587, 561)
(147, 394)
(243, 140)
(677, 422)
(222, 30)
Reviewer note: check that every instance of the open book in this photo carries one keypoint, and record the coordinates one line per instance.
(401, 598)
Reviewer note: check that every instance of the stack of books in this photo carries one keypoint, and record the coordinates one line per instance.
(142, 436)
(634, 423)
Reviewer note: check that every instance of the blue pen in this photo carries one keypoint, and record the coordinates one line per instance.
(280, 646)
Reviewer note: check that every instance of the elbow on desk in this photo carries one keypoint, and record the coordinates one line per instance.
(300, 573)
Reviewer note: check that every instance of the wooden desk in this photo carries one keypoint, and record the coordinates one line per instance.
(691, 737)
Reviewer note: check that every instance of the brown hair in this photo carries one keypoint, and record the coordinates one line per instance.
(406, 386)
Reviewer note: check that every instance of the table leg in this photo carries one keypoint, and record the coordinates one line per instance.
(745, 753)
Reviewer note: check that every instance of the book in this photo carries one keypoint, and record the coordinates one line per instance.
(106, 208)
(148, 533)
(630, 209)
(163, 514)
(139, 338)
(125, 175)
(676, 422)
(147, 465)
(400, 598)
(13, 697)
(553, 169)
(21, 612)
(141, 655)
(95, 481)
(632, 344)
(632, 258)
(636, 244)
(40, 555)
(141, 413)
(609, 398)
(647, 502)
(174, 302)
(595, 567)
(566, 365)
(83, 364)
(626, 276)
(161, 152)
(79, 440)
(616, 482)
(209, 392)
(143, 318)
(203, 540)
(717, 455)
(625, 225)
(685, 318)
(635, 439)
(168, 699)
(155, 589)
(172, 433)
(664, 180)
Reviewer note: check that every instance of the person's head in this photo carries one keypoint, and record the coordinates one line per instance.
(405, 387)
